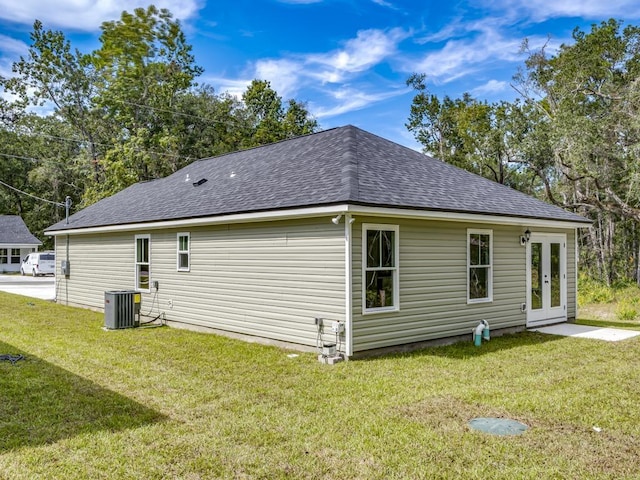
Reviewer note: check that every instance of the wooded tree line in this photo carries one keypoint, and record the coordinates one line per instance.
(87, 125)
(571, 137)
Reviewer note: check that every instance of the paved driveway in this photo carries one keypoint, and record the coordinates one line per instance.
(38, 287)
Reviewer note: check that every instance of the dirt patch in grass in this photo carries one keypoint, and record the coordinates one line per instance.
(589, 452)
(449, 414)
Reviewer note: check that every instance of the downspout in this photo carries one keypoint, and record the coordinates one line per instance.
(348, 286)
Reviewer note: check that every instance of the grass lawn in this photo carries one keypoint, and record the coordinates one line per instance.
(166, 403)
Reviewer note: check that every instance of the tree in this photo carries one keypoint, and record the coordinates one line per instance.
(479, 137)
(589, 93)
(270, 120)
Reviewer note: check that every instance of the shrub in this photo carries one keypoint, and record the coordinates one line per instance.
(594, 291)
(626, 310)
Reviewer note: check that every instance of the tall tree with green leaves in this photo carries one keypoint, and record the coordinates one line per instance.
(480, 137)
(270, 120)
(589, 94)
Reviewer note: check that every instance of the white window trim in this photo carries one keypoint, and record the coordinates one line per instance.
(187, 251)
(395, 269)
(489, 298)
(135, 262)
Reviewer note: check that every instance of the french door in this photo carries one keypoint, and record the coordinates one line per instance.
(546, 279)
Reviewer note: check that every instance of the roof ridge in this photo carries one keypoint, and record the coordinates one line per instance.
(350, 165)
(255, 147)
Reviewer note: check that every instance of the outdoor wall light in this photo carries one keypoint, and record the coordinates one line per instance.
(524, 239)
(336, 220)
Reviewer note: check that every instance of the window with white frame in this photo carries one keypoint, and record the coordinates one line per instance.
(184, 252)
(15, 255)
(479, 265)
(380, 268)
(143, 262)
(4, 257)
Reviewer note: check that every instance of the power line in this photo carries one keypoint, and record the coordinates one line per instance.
(32, 196)
(20, 157)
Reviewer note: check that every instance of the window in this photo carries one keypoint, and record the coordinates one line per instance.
(15, 255)
(184, 256)
(479, 262)
(143, 262)
(3, 256)
(380, 268)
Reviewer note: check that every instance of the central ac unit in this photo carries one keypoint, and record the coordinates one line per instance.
(121, 309)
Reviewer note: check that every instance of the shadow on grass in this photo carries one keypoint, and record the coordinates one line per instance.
(41, 403)
(608, 324)
(466, 349)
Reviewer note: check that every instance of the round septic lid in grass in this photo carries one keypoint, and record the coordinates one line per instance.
(498, 426)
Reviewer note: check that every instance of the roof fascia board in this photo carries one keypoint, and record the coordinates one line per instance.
(465, 217)
(20, 245)
(327, 210)
(203, 221)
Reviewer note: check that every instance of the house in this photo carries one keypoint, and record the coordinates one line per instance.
(342, 225)
(16, 241)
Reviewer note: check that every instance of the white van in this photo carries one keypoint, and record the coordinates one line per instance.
(39, 263)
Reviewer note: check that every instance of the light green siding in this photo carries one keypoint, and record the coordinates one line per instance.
(268, 280)
(433, 284)
(272, 279)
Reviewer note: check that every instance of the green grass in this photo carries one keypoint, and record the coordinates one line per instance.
(167, 403)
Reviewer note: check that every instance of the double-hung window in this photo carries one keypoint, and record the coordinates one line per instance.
(143, 262)
(380, 268)
(479, 266)
(184, 252)
(15, 255)
(4, 258)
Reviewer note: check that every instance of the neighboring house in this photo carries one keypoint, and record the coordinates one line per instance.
(16, 242)
(342, 225)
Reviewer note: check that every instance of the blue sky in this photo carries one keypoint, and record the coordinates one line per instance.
(348, 59)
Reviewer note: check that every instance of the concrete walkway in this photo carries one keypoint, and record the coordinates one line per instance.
(586, 331)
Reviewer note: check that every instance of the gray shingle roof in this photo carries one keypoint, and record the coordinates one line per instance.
(13, 231)
(341, 165)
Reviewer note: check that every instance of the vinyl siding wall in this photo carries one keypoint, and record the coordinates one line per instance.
(268, 280)
(433, 284)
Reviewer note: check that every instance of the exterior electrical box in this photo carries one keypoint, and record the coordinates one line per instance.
(65, 268)
(122, 309)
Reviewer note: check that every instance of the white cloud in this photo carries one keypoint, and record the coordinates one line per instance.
(12, 47)
(384, 3)
(83, 15)
(234, 88)
(490, 88)
(369, 48)
(298, 72)
(539, 10)
(459, 58)
(283, 75)
(348, 100)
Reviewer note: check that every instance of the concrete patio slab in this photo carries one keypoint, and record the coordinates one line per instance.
(586, 331)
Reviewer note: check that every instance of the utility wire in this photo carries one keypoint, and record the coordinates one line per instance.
(32, 196)
(20, 157)
(75, 140)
